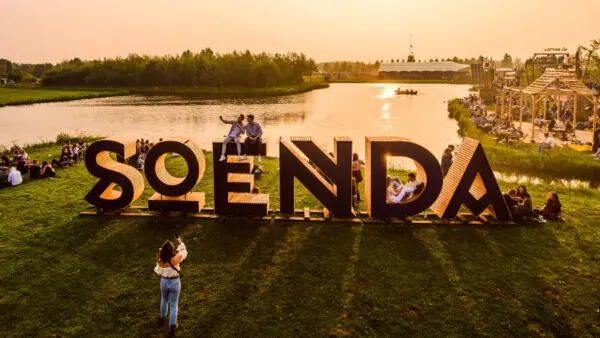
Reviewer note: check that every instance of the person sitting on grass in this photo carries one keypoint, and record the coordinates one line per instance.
(236, 130)
(253, 135)
(552, 208)
(410, 186)
(65, 161)
(522, 193)
(510, 199)
(523, 211)
(257, 171)
(393, 190)
(14, 177)
(47, 171)
(35, 170)
(547, 144)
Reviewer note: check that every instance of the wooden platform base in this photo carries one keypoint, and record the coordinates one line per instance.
(191, 202)
(300, 215)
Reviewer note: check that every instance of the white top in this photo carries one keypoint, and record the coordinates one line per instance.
(169, 271)
(14, 177)
(550, 141)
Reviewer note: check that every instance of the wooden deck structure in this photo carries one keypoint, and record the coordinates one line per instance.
(554, 82)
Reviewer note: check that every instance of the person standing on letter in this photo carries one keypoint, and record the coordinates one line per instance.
(167, 266)
(236, 130)
(253, 135)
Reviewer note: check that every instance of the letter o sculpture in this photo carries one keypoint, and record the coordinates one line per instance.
(159, 178)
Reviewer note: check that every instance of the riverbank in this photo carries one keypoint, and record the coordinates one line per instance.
(23, 96)
(256, 278)
(38, 94)
(561, 162)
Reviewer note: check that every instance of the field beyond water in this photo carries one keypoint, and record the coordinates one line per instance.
(35, 94)
(66, 275)
(22, 96)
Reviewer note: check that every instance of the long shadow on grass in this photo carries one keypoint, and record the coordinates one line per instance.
(531, 271)
(117, 291)
(400, 285)
(290, 286)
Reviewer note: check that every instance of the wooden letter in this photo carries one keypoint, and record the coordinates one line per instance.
(329, 179)
(175, 193)
(111, 173)
(471, 182)
(233, 183)
(429, 173)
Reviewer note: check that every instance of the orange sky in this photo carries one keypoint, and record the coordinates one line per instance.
(45, 30)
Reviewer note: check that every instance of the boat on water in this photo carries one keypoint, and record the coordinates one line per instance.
(405, 91)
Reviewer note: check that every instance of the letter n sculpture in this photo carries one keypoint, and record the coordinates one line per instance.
(470, 181)
(233, 183)
(112, 173)
(328, 179)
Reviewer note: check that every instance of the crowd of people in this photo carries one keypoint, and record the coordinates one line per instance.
(521, 207)
(489, 122)
(16, 163)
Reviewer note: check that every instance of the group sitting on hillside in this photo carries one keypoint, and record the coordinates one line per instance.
(520, 204)
(13, 170)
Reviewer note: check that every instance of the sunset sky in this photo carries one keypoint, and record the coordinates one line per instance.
(327, 30)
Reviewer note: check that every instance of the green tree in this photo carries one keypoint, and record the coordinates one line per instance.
(507, 61)
(411, 58)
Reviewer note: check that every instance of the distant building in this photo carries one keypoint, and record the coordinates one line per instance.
(445, 70)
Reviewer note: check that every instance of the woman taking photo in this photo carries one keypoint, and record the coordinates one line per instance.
(167, 266)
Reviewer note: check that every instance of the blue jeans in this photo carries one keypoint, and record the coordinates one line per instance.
(169, 289)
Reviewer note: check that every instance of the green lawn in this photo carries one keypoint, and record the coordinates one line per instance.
(20, 96)
(66, 275)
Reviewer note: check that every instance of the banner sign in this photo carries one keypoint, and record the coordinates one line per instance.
(469, 182)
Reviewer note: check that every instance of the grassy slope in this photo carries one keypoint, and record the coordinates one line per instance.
(563, 162)
(70, 275)
(20, 96)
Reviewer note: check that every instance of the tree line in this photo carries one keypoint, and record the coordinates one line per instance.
(22, 72)
(206, 68)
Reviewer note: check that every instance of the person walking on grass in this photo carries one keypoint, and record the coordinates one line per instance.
(236, 130)
(253, 135)
(168, 268)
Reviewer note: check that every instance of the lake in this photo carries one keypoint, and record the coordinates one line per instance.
(354, 110)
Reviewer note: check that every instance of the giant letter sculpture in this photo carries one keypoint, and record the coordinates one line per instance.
(112, 173)
(174, 193)
(470, 181)
(335, 196)
(428, 171)
(233, 182)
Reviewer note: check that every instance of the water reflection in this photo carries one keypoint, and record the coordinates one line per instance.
(353, 110)
(569, 183)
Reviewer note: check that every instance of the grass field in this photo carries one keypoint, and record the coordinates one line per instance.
(21, 96)
(66, 275)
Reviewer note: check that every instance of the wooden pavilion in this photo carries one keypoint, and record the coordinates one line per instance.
(554, 82)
